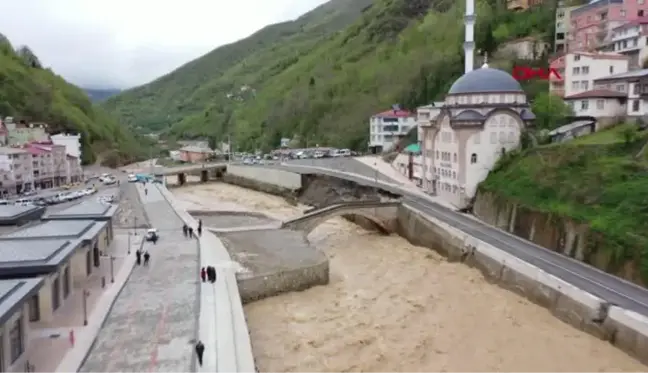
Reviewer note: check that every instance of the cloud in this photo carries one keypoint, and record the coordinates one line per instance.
(123, 43)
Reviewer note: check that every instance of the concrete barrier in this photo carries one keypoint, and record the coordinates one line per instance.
(272, 176)
(630, 332)
(223, 328)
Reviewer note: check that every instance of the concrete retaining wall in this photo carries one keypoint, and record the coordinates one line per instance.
(260, 287)
(280, 178)
(625, 329)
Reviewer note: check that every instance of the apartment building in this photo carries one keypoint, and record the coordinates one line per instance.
(17, 173)
(629, 39)
(591, 24)
(579, 70)
(387, 127)
(55, 162)
(634, 87)
(71, 142)
(563, 25)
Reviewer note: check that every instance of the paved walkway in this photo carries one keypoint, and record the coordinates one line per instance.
(153, 322)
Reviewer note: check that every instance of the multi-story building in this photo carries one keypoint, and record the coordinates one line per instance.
(424, 116)
(56, 162)
(74, 172)
(17, 172)
(563, 25)
(387, 127)
(629, 39)
(579, 70)
(634, 86)
(591, 24)
(42, 169)
(71, 142)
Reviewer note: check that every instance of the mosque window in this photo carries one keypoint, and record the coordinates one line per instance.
(454, 157)
(511, 137)
(473, 158)
(493, 137)
(454, 175)
(454, 189)
(502, 137)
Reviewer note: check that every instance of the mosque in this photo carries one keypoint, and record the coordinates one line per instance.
(481, 118)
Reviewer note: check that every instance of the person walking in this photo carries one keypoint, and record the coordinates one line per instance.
(147, 257)
(138, 256)
(203, 274)
(200, 350)
(146, 191)
(190, 232)
(185, 230)
(199, 230)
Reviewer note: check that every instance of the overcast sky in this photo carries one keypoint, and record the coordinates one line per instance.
(123, 43)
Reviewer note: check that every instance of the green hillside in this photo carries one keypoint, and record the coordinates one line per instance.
(29, 91)
(307, 79)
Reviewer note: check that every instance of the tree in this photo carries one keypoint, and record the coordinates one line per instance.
(29, 57)
(550, 111)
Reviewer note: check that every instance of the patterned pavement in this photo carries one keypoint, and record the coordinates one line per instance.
(153, 322)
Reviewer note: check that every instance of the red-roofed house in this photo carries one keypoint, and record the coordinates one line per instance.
(386, 128)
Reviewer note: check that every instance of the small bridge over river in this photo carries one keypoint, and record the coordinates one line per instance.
(383, 214)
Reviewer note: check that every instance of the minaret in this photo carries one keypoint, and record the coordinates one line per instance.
(469, 43)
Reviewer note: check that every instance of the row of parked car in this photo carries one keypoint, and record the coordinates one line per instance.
(51, 200)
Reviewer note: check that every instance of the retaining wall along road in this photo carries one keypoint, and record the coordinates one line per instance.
(625, 329)
(274, 177)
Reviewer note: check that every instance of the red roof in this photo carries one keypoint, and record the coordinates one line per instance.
(598, 93)
(394, 114)
(34, 150)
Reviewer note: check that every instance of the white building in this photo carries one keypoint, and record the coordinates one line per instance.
(599, 103)
(71, 142)
(482, 117)
(387, 127)
(581, 69)
(629, 39)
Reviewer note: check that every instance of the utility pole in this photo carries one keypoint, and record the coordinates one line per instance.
(229, 148)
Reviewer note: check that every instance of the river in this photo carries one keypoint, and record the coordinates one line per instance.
(393, 306)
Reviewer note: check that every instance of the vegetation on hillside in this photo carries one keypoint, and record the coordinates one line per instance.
(30, 92)
(306, 79)
(598, 180)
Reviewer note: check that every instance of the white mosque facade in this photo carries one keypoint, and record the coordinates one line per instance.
(482, 117)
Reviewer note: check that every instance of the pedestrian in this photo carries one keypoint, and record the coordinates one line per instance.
(203, 274)
(200, 349)
(147, 256)
(212, 274)
(138, 256)
(185, 230)
(200, 224)
(146, 191)
(154, 239)
(209, 273)
(199, 230)
(190, 232)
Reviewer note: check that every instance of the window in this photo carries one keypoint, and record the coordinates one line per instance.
(576, 70)
(66, 282)
(636, 89)
(34, 311)
(454, 157)
(622, 13)
(585, 69)
(635, 105)
(56, 293)
(454, 175)
(600, 104)
(493, 137)
(584, 105)
(640, 13)
(577, 57)
(511, 137)
(437, 154)
(575, 85)
(620, 88)
(585, 85)
(473, 158)
(502, 137)
(16, 340)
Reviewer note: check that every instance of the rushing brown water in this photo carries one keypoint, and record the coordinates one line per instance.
(392, 306)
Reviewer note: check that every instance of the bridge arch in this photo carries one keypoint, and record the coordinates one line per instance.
(379, 215)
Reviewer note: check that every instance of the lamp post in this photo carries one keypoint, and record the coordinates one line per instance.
(85, 296)
(376, 173)
(129, 243)
(134, 225)
(112, 269)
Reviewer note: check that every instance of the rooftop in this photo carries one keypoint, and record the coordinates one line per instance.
(628, 75)
(8, 150)
(19, 257)
(598, 93)
(85, 229)
(10, 214)
(485, 80)
(394, 114)
(196, 149)
(84, 210)
(13, 294)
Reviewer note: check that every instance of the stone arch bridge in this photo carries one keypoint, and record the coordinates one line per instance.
(382, 214)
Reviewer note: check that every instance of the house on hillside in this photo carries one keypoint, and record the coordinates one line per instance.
(387, 127)
(194, 154)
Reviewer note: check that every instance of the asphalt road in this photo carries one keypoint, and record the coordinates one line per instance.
(612, 289)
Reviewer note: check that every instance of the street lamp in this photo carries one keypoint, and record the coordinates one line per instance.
(134, 225)
(85, 296)
(129, 243)
(112, 269)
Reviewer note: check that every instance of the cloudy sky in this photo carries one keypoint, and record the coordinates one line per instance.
(123, 43)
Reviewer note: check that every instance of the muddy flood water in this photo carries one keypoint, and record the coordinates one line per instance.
(392, 306)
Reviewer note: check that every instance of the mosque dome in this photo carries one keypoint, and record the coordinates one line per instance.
(485, 80)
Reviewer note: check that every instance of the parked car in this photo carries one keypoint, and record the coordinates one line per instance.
(152, 234)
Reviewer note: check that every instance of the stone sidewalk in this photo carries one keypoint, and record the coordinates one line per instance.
(152, 325)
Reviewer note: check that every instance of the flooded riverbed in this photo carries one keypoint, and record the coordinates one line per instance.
(392, 306)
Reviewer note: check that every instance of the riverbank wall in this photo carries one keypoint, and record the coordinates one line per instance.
(625, 329)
